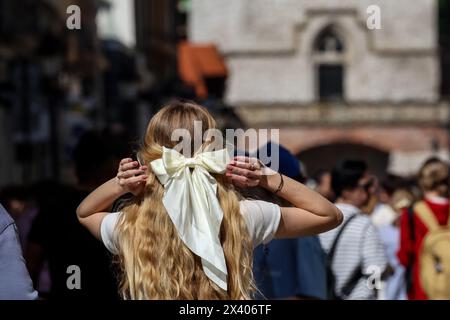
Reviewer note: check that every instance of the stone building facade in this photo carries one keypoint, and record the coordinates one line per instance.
(335, 87)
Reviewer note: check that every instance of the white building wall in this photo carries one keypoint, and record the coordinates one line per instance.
(267, 45)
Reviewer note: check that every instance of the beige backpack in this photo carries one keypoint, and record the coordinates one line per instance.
(434, 256)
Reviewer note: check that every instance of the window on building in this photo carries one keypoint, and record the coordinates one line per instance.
(329, 60)
(331, 82)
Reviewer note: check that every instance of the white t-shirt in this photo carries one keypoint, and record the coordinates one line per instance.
(262, 219)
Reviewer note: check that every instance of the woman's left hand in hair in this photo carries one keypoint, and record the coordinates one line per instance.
(244, 172)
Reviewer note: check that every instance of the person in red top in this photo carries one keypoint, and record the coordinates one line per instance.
(434, 182)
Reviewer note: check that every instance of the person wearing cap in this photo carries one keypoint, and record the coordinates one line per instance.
(290, 268)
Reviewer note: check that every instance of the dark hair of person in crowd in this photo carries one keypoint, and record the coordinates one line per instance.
(390, 183)
(322, 178)
(346, 174)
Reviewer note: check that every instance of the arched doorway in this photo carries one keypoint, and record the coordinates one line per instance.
(326, 156)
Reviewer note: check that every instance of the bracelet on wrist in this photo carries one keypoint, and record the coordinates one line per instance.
(280, 186)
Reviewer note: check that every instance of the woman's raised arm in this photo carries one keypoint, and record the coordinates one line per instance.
(130, 178)
(311, 214)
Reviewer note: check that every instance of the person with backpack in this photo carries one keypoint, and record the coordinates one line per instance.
(425, 235)
(356, 258)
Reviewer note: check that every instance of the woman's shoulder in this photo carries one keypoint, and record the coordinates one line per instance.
(262, 219)
(250, 206)
(107, 233)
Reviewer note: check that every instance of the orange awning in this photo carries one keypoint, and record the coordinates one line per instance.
(197, 62)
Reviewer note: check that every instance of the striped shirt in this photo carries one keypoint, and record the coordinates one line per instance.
(359, 244)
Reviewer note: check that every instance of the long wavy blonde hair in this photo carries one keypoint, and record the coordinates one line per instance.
(154, 262)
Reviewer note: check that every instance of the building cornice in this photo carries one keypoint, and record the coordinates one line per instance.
(318, 114)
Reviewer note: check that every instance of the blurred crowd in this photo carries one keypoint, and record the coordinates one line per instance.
(390, 245)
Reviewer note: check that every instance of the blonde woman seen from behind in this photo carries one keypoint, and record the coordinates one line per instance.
(186, 234)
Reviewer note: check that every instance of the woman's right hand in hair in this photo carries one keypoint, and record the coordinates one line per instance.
(311, 213)
(131, 177)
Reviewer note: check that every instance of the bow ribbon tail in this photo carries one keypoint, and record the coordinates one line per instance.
(192, 204)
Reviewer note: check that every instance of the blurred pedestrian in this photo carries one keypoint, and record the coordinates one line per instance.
(56, 235)
(15, 281)
(354, 250)
(425, 236)
(394, 288)
(18, 202)
(322, 179)
(383, 213)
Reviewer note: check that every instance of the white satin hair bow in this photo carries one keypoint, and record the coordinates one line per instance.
(190, 199)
